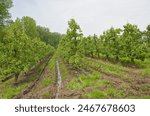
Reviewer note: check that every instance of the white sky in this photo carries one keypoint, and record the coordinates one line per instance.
(93, 16)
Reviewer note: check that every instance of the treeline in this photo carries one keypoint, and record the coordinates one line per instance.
(22, 42)
(48, 37)
(114, 43)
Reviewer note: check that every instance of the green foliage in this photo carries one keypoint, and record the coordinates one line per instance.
(19, 51)
(109, 93)
(96, 94)
(147, 35)
(88, 46)
(84, 81)
(76, 60)
(46, 82)
(29, 26)
(133, 45)
(146, 38)
(107, 68)
(9, 91)
(5, 5)
(111, 43)
(117, 44)
(70, 44)
(48, 37)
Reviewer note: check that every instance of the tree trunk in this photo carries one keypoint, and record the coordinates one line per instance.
(132, 60)
(107, 56)
(92, 54)
(117, 58)
(98, 54)
(16, 78)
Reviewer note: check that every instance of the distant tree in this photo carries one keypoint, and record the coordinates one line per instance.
(50, 38)
(115, 42)
(54, 39)
(5, 5)
(90, 46)
(106, 48)
(147, 35)
(146, 38)
(96, 44)
(29, 26)
(133, 45)
(43, 33)
(86, 46)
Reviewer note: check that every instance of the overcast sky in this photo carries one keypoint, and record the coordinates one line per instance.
(93, 16)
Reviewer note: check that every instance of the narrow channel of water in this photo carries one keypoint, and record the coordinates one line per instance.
(58, 79)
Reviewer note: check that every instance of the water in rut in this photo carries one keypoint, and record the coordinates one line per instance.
(58, 79)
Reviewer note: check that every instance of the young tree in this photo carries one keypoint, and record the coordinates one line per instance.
(132, 42)
(29, 26)
(147, 35)
(70, 43)
(106, 48)
(115, 42)
(91, 46)
(5, 5)
(146, 39)
(96, 42)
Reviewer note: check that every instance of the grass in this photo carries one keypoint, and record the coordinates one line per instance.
(145, 87)
(127, 61)
(10, 91)
(46, 95)
(143, 64)
(145, 97)
(84, 81)
(110, 64)
(95, 94)
(63, 69)
(106, 67)
(145, 72)
(109, 93)
(46, 82)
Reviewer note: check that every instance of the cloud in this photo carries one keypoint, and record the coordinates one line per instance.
(94, 16)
